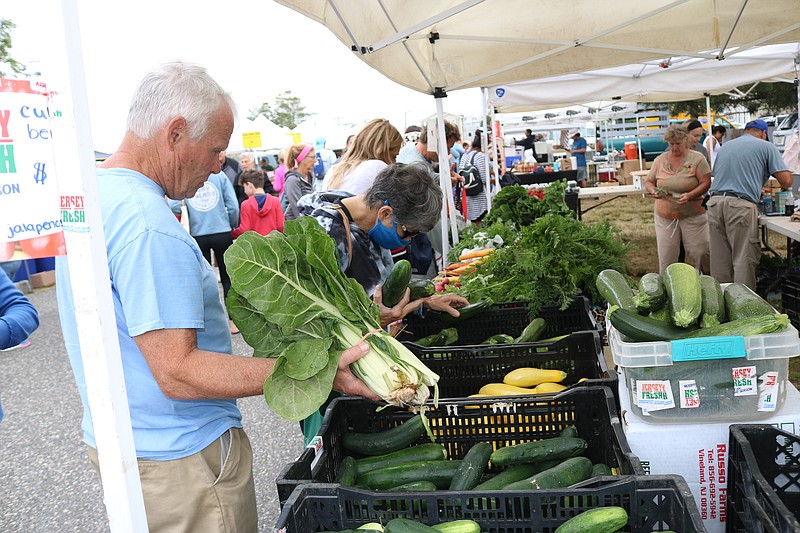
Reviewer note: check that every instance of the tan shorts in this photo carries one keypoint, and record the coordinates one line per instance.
(211, 491)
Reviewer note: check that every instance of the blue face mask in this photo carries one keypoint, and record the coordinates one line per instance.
(387, 237)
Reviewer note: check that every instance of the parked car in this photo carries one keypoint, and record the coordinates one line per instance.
(785, 128)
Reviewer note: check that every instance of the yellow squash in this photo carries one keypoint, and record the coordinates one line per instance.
(502, 389)
(548, 388)
(530, 377)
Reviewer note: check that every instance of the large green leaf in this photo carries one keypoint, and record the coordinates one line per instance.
(295, 400)
(303, 357)
(263, 336)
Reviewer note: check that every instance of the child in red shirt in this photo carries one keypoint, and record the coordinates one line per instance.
(261, 212)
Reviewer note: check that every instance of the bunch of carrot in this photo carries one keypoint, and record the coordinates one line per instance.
(467, 262)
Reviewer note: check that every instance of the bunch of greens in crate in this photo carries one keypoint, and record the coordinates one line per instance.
(547, 263)
(476, 237)
(291, 301)
(513, 204)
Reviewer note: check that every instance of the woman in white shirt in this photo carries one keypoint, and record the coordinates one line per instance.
(374, 148)
(713, 142)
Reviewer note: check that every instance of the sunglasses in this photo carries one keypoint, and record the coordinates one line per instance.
(407, 233)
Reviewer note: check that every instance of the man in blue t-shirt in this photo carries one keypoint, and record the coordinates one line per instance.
(181, 379)
(579, 151)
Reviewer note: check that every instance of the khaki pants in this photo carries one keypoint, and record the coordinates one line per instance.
(735, 247)
(211, 491)
(694, 233)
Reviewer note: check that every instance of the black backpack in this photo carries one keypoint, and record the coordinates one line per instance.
(472, 177)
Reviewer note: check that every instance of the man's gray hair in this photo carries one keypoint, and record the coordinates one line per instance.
(174, 89)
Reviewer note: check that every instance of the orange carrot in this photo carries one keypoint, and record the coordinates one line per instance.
(475, 254)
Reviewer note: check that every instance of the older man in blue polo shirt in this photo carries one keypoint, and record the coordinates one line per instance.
(741, 169)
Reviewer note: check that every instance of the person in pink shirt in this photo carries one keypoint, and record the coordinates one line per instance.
(280, 173)
(261, 212)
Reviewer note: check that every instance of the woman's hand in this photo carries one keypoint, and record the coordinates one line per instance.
(683, 198)
(393, 314)
(448, 303)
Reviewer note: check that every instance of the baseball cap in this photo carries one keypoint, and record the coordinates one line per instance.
(319, 144)
(573, 133)
(758, 124)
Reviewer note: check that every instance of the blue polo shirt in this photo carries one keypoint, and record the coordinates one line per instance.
(159, 279)
(577, 144)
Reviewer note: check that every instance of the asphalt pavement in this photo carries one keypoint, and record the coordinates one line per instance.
(47, 484)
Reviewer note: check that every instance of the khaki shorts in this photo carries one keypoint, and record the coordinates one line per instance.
(211, 491)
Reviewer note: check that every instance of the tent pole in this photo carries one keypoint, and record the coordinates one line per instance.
(486, 148)
(708, 114)
(444, 182)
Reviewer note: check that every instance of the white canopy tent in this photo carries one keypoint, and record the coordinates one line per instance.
(269, 134)
(447, 45)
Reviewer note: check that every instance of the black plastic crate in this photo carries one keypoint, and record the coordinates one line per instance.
(763, 480)
(790, 297)
(459, 424)
(510, 318)
(654, 503)
(463, 370)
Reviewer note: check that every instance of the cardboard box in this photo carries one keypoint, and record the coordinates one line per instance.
(43, 279)
(698, 452)
(626, 167)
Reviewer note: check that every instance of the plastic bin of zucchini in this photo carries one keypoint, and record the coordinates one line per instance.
(653, 503)
(458, 424)
(509, 318)
(763, 479)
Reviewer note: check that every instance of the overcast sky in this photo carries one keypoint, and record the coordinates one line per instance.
(256, 49)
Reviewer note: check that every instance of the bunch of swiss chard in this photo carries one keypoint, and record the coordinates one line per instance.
(291, 301)
(548, 263)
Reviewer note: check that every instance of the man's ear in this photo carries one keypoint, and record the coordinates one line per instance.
(176, 131)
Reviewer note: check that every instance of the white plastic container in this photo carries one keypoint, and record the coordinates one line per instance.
(713, 379)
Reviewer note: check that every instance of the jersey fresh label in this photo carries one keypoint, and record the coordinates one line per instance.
(654, 395)
(744, 381)
(768, 392)
(316, 445)
(690, 396)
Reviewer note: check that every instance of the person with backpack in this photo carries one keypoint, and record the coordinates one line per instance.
(324, 159)
(473, 169)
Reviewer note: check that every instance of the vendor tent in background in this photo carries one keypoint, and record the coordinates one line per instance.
(258, 133)
(447, 45)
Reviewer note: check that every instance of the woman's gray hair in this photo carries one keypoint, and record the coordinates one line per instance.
(411, 191)
(677, 133)
(176, 89)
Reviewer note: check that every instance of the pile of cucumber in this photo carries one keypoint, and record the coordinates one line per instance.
(387, 461)
(682, 304)
(531, 333)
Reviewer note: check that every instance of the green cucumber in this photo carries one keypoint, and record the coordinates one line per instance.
(741, 302)
(745, 327)
(404, 525)
(532, 331)
(421, 288)
(375, 526)
(598, 520)
(387, 441)
(458, 526)
(539, 450)
(440, 473)
(472, 466)
(567, 473)
(651, 295)
(466, 312)
(500, 338)
(347, 472)
(569, 431)
(683, 291)
(422, 452)
(515, 473)
(396, 282)
(419, 486)
(615, 289)
(638, 328)
(601, 469)
(446, 337)
(713, 302)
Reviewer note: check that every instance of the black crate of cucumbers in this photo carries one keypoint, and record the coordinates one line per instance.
(459, 424)
(652, 503)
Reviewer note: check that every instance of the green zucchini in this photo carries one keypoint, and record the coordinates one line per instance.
(651, 296)
(757, 325)
(500, 338)
(468, 311)
(458, 526)
(421, 288)
(404, 525)
(539, 450)
(713, 302)
(515, 473)
(387, 441)
(472, 466)
(615, 289)
(359, 530)
(569, 431)
(446, 337)
(638, 328)
(440, 473)
(663, 315)
(598, 520)
(741, 302)
(532, 331)
(683, 291)
(567, 473)
(347, 472)
(419, 486)
(600, 469)
(375, 526)
(396, 282)
(429, 451)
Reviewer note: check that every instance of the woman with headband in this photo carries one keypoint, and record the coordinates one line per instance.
(300, 158)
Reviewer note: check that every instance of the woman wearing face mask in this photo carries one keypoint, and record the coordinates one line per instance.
(300, 158)
(404, 200)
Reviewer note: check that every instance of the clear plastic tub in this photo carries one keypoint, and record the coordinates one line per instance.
(727, 387)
